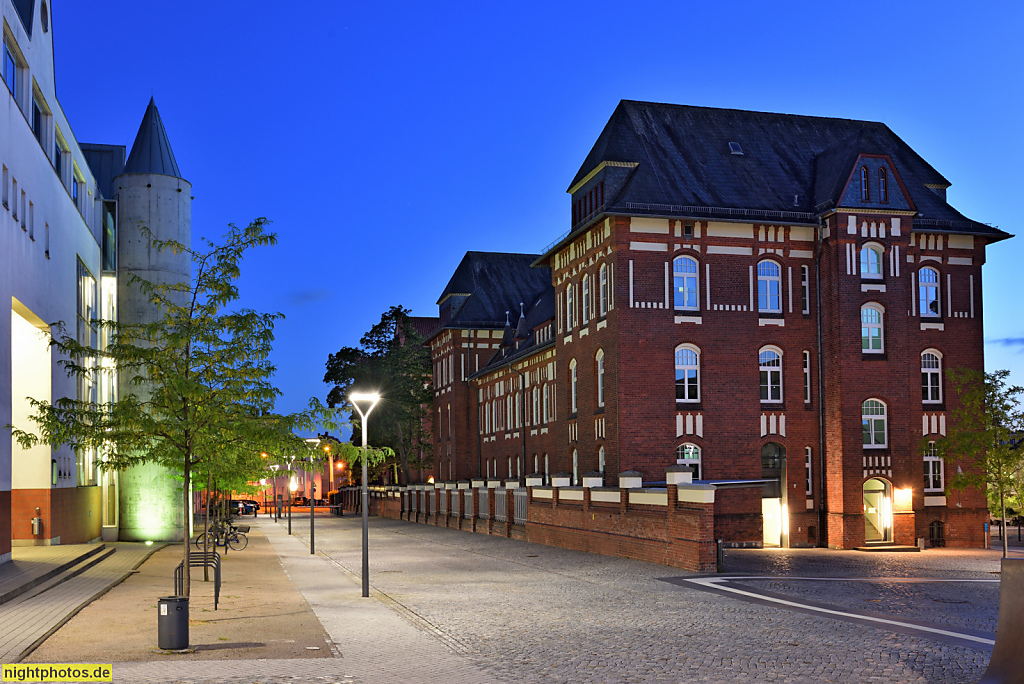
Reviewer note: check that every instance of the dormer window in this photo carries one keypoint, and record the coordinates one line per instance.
(734, 148)
(865, 193)
(883, 185)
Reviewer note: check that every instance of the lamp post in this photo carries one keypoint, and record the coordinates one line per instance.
(372, 398)
(277, 507)
(291, 486)
(312, 507)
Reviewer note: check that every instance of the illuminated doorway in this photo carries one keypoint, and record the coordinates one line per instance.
(877, 511)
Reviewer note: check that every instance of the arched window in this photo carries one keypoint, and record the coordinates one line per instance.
(689, 454)
(931, 377)
(603, 290)
(874, 423)
(546, 404)
(573, 385)
(687, 373)
(883, 185)
(600, 460)
(865, 193)
(769, 287)
(570, 309)
(871, 337)
(585, 296)
(933, 469)
(599, 358)
(536, 464)
(685, 279)
(769, 362)
(928, 291)
(536, 406)
(871, 260)
(547, 470)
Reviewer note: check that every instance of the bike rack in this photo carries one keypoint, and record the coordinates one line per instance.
(199, 559)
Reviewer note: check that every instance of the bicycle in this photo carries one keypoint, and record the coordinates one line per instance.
(219, 536)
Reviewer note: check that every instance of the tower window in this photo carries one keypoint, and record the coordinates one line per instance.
(883, 185)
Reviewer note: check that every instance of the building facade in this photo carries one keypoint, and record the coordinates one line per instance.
(69, 233)
(770, 299)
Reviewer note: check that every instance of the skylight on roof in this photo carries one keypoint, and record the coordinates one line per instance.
(735, 148)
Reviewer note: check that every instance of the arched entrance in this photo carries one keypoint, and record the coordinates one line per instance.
(877, 511)
(773, 495)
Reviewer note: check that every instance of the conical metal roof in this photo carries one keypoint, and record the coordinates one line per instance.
(151, 152)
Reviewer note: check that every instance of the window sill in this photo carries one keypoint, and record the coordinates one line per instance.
(876, 447)
(770, 314)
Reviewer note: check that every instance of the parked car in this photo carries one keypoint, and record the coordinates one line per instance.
(246, 506)
(300, 501)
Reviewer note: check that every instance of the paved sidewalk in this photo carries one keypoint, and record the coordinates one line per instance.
(374, 643)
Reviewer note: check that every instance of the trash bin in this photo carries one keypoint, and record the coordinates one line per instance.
(172, 623)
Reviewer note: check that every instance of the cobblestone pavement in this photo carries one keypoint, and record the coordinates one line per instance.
(530, 613)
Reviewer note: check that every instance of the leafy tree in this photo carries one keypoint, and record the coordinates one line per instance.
(392, 361)
(985, 433)
(202, 398)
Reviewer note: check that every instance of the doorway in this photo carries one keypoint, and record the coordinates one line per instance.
(773, 495)
(877, 511)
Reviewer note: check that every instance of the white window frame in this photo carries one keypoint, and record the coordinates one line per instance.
(805, 289)
(684, 365)
(928, 294)
(808, 471)
(872, 257)
(934, 470)
(874, 422)
(599, 360)
(547, 398)
(868, 328)
(929, 375)
(601, 459)
(585, 297)
(573, 386)
(689, 454)
(536, 405)
(575, 467)
(807, 376)
(570, 318)
(769, 286)
(603, 290)
(769, 364)
(686, 283)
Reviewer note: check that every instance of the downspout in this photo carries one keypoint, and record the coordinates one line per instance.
(822, 513)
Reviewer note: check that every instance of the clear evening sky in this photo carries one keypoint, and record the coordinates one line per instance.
(385, 139)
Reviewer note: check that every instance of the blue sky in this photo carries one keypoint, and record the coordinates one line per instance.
(384, 140)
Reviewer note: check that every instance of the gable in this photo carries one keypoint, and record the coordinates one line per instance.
(883, 188)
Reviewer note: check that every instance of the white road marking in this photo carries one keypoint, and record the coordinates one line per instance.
(717, 584)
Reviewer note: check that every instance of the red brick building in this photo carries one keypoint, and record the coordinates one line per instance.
(771, 299)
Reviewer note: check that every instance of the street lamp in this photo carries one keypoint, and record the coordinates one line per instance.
(372, 399)
(293, 485)
(277, 507)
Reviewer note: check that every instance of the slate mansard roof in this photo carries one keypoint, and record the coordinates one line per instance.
(676, 160)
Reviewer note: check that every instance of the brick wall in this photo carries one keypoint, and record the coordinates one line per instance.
(71, 514)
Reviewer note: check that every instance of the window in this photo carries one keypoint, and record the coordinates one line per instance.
(10, 68)
(931, 377)
(865, 194)
(570, 310)
(603, 290)
(600, 377)
(871, 341)
(934, 480)
(807, 471)
(600, 460)
(873, 422)
(883, 185)
(928, 291)
(585, 295)
(807, 377)
(518, 402)
(687, 373)
(770, 365)
(805, 299)
(685, 279)
(769, 287)
(547, 470)
(575, 467)
(871, 261)
(88, 336)
(39, 123)
(7, 182)
(547, 401)
(573, 386)
(536, 406)
(689, 455)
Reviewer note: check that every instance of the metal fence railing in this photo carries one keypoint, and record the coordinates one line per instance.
(468, 513)
(499, 504)
(484, 508)
(519, 510)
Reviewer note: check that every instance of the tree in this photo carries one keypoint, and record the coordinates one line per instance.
(202, 396)
(392, 361)
(985, 433)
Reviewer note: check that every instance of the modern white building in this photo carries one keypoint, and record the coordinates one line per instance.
(59, 256)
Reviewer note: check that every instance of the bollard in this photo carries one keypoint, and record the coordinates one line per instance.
(1005, 666)
(720, 556)
(172, 623)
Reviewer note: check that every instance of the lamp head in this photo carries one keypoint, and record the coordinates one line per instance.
(275, 467)
(371, 397)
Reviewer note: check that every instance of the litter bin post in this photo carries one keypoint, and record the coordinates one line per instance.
(172, 623)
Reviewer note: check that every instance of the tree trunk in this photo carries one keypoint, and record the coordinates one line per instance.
(187, 583)
(206, 525)
(1002, 505)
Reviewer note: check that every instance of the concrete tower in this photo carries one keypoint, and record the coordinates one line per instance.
(150, 193)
